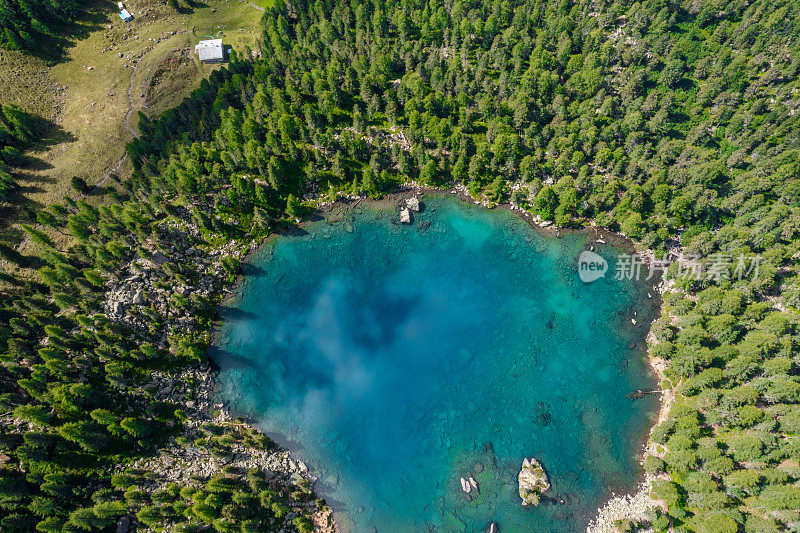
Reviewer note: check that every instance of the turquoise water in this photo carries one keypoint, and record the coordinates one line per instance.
(395, 359)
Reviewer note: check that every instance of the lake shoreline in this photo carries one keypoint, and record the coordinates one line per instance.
(333, 212)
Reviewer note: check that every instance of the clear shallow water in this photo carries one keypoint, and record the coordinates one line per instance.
(395, 360)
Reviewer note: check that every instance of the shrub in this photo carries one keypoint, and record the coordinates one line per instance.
(741, 483)
(782, 389)
(626, 525)
(724, 328)
(664, 350)
(761, 524)
(738, 396)
(749, 415)
(669, 492)
(712, 457)
(654, 465)
(741, 367)
(714, 522)
(303, 524)
(745, 447)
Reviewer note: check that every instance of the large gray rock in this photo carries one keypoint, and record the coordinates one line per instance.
(123, 525)
(158, 258)
(532, 482)
(118, 308)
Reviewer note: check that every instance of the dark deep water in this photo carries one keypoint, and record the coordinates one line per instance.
(395, 360)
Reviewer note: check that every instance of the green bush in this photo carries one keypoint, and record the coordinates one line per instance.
(745, 447)
(654, 465)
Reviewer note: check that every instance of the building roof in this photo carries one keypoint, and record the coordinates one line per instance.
(124, 15)
(210, 50)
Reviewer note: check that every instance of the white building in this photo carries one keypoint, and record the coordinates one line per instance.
(210, 51)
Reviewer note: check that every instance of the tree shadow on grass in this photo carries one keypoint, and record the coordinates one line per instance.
(51, 133)
(98, 190)
(52, 46)
(29, 175)
(189, 7)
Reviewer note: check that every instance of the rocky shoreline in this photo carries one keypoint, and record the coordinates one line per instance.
(636, 504)
(212, 442)
(143, 286)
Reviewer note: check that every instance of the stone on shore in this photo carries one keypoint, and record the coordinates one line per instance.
(405, 216)
(532, 482)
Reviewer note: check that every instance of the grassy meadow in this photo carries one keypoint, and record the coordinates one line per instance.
(92, 94)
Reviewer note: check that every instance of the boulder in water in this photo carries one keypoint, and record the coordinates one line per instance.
(532, 482)
(405, 216)
(413, 203)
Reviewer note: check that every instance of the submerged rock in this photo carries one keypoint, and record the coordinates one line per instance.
(532, 482)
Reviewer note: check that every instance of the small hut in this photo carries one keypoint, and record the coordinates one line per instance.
(125, 15)
(210, 51)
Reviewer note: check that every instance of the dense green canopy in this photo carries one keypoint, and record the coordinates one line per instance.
(23, 23)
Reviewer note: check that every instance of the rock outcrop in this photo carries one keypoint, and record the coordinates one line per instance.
(413, 204)
(532, 482)
(405, 216)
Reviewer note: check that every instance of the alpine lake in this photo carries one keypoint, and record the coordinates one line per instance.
(395, 359)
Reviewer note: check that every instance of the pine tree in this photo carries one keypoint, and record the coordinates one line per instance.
(368, 185)
(293, 207)
(337, 167)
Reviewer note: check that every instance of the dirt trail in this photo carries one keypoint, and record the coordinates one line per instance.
(127, 123)
(128, 126)
(253, 5)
